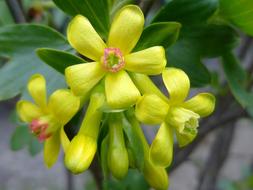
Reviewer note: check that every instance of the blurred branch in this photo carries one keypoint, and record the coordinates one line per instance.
(214, 122)
(16, 11)
(244, 48)
(69, 181)
(146, 5)
(217, 157)
(97, 173)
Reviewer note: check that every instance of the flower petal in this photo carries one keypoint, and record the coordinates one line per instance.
(37, 88)
(63, 105)
(185, 138)
(177, 84)
(27, 111)
(161, 150)
(52, 149)
(151, 61)
(83, 37)
(120, 90)
(151, 109)
(126, 28)
(83, 77)
(64, 140)
(202, 104)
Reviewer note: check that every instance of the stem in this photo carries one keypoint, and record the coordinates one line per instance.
(16, 11)
(69, 181)
(217, 157)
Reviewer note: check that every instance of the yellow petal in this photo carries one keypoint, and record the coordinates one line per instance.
(80, 153)
(126, 28)
(120, 90)
(177, 84)
(52, 149)
(161, 150)
(202, 104)
(28, 111)
(37, 88)
(151, 109)
(83, 77)
(182, 119)
(64, 140)
(83, 37)
(151, 61)
(184, 139)
(146, 85)
(63, 105)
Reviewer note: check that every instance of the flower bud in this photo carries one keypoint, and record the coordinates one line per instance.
(156, 176)
(117, 154)
(161, 150)
(80, 153)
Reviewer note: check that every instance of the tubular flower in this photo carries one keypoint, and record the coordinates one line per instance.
(81, 150)
(46, 119)
(113, 59)
(173, 114)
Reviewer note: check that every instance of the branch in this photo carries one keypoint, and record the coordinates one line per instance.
(16, 11)
(217, 157)
(182, 155)
(146, 5)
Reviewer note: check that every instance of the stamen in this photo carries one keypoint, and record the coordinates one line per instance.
(39, 128)
(113, 59)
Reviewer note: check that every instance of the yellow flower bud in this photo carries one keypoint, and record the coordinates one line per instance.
(80, 153)
(161, 150)
(156, 176)
(117, 154)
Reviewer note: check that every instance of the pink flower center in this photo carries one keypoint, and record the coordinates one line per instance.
(113, 59)
(39, 128)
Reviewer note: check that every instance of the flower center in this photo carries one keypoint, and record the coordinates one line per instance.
(113, 59)
(38, 128)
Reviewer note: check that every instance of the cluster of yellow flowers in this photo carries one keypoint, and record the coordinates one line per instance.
(116, 79)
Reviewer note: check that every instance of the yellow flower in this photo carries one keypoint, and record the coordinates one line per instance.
(113, 59)
(81, 150)
(173, 114)
(46, 119)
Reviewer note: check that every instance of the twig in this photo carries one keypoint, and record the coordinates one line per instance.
(217, 157)
(16, 11)
(97, 173)
(146, 5)
(182, 154)
(69, 182)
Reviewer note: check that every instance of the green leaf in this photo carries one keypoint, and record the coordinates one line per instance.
(35, 146)
(104, 156)
(134, 143)
(57, 59)
(187, 12)
(5, 16)
(20, 138)
(17, 43)
(181, 56)
(95, 10)
(239, 12)
(237, 78)
(197, 39)
(164, 34)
